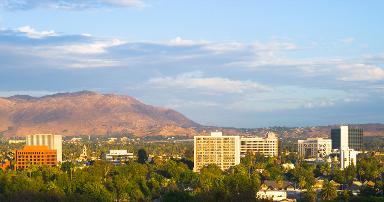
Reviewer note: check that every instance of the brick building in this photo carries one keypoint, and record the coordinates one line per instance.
(34, 155)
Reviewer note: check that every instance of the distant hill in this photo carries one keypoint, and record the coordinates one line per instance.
(375, 129)
(88, 113)
(91, 113)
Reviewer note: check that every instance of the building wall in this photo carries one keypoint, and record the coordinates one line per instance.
(314, 147)
(267, 146)
(224, 151)
(35, 155)
(50, 140)
(355, 139)
(347, 158)
(345, 136)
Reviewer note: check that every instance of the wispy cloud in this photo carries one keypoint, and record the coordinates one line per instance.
(361, 72)
(32, 33)
(187, 74)
(196, 80)
(68, 4)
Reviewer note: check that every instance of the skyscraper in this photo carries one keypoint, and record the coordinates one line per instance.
(347, 137)
(54, 142)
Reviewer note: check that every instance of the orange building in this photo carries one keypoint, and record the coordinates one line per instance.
(35, 155)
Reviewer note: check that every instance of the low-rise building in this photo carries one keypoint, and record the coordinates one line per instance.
(314, 148)
(35, 155)
(274, 195)
(118, 156)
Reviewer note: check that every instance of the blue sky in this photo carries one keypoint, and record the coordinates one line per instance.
(225, 63)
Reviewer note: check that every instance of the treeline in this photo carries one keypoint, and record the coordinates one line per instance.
(173, 180)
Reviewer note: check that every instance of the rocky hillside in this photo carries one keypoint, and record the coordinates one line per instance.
(88, 113)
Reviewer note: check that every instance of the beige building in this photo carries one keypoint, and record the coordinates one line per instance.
(54, 142)
(224, 151)
(314, 148)
(267, 146)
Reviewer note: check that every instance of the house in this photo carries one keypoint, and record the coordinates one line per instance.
(275, 185)
(274, 195)
(355, 187)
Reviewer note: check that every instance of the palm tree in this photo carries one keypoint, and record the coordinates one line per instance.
(329, 191)
(302, 182)
(325, 169)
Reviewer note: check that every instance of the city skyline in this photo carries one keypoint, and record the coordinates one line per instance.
(265, 63)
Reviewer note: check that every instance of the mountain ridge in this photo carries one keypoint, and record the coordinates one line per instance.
(87, 113)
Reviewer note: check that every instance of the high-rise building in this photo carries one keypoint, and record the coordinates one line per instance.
(224, 151)
(267, 146)
(314, 148)
(35, 155)
(54, 142)
(347, 137)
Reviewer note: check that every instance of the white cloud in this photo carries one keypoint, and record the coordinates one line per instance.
(94, 63)
(32, 33)
(68, 4)
(224, 47)
(178, 41)
(125, 3)
(361, 72)
(211, 84)
(96, 47)
(216, 48)
(319, 103)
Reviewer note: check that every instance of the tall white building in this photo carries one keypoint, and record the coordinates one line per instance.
(314, 148)
(50, 140)
(224, 151)
(267, 146)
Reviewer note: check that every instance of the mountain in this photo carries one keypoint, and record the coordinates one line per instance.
(88, 113)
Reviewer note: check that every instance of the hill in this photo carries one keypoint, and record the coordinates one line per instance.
(88, 113)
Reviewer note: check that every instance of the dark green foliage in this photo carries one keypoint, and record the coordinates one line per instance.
(142, 156)
(173, 180)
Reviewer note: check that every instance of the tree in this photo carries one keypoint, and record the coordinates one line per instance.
(310, 195)
(329, 191)
(142, 156)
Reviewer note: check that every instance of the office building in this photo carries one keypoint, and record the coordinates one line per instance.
(314, 148)
(118, 156)
(267, 146)
(347, 137)
(224, 151)
(35, 155)
(54, 142)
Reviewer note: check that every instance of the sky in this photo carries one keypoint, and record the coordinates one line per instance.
(224, 63)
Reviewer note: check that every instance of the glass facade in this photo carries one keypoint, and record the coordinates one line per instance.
(355, 138)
